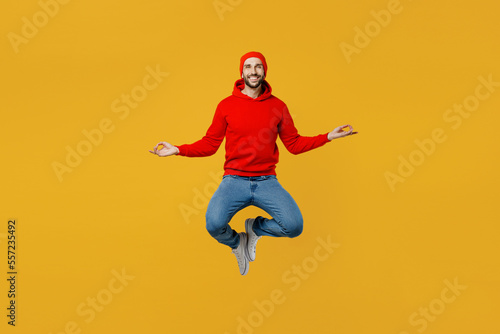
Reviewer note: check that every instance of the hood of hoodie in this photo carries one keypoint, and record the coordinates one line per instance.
(240, 84)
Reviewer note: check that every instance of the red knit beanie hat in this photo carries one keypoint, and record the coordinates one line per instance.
(250, 55)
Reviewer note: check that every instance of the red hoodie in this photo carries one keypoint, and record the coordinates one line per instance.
(251, 127)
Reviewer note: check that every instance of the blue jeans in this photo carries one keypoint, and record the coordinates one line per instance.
(237, 192)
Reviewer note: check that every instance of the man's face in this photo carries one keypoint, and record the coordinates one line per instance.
(253, 72)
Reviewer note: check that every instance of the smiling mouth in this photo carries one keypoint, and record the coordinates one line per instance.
(254, 78)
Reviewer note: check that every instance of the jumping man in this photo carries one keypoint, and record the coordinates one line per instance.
(251, 119)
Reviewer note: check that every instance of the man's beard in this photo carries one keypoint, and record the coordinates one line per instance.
(253, 85)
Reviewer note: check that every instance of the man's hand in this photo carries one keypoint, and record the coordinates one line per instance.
(338, 132)
(164, 149)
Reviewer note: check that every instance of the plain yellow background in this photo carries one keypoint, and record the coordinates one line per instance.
(121, 208)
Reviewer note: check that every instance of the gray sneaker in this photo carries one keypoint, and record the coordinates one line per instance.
(252, 239)
(240, 253)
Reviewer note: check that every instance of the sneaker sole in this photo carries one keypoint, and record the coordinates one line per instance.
(245, 240)
(248, 227)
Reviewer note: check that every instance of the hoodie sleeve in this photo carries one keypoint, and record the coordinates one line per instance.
(294, 142)
(210, 143)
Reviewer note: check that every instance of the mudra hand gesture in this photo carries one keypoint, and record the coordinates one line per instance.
(164, 149)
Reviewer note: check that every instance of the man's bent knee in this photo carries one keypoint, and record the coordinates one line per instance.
(295, 230)
(213, 226)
